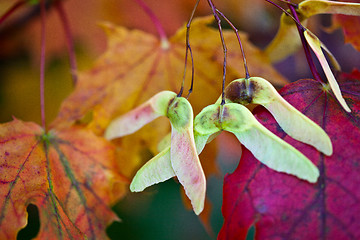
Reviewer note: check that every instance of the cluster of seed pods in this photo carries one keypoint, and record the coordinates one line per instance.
(189, 136)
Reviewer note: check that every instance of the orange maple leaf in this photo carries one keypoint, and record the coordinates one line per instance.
(137, 65)
(350, 26)
(69, 174)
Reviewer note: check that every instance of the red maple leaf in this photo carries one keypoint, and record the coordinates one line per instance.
(281, 206)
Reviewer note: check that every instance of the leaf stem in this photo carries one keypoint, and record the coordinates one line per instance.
(218, 20)
(11, 10)
(155, 20)
(247, 75)
(188, 49)
(42, 63)
(69, 40)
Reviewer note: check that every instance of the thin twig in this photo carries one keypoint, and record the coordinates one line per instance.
(42, 63)
(247, 75)
(11, 10)
(218, 20)
(69, 40)
(188, 49)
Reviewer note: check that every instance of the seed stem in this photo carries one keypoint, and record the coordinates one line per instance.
(305, 46)
(218, 20)
(188, 49)
(301, 30)
(247, 75)
(11, 10)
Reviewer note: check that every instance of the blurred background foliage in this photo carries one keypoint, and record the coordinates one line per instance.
(158, 213)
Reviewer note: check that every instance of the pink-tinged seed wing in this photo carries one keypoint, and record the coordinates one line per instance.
(315, 45)
(184, 158)
(134, 120)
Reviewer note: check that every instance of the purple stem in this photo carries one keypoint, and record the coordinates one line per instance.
(42, 63)
(286, 12)
(11, 10)
(187, 50)
(247, 75)
(305, 45)
(217, 18)
(69, 40)
(154, 19)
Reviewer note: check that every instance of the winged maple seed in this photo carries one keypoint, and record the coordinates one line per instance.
(180, 159)
(317, 46)
(257, 90)
(282, 207)
(284, 44)
(265, 146)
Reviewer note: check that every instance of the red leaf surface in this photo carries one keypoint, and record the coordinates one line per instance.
(69, 174)
(281, 206)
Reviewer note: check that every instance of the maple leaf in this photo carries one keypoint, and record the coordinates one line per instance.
(154, 65)
(350, 26)
(69, 174)
(138, 65)
(280, 206)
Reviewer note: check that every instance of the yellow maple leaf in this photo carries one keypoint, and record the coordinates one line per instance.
(137, 65)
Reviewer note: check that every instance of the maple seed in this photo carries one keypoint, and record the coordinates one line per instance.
(316, 46)
(241, 91)
(273, 202)
(264, 145)
(180, 159)
(293, 122)
(134, 120)
(285, 44)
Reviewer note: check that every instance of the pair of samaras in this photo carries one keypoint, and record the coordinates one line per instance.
(189, 136)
